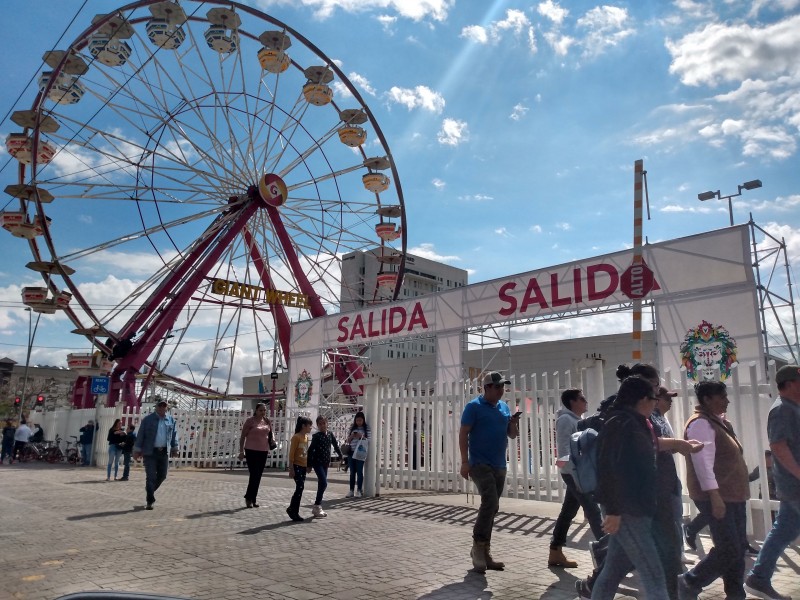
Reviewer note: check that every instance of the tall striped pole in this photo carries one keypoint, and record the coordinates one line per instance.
(636, 334)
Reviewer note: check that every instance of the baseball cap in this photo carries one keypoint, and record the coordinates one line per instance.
(495, 378)
(162, 403)
(665, 393)
(787, 373)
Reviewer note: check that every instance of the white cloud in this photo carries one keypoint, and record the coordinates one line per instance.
(733, 53)
(536, 228)
(427, 250)
(340, 90)
(387, 22)
(553, 11)
(515, 22)
(419, 97)
(475, 33)
(519, 111)
(362, 82)
(438, 183)
(606, 27)
(503, 232)
(416, 10)
(563, 226)
(87, 219)
(476, 198)
(678, 208)
(453, 132)
(559, 43)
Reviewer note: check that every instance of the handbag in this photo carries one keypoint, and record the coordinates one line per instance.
(360, 451)
(346, 449)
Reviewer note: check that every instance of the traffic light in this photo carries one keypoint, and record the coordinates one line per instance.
(17, 402)
(39, 400)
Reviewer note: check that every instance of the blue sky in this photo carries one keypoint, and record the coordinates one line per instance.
(514, 126)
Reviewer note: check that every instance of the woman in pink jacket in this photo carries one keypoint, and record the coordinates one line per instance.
(255, 444)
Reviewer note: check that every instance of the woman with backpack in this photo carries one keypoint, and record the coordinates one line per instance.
(567, 419)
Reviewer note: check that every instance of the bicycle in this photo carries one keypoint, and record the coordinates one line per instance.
(72, 455)
(53, 453)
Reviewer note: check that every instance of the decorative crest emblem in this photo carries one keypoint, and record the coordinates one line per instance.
(303, 387)
(707, 348)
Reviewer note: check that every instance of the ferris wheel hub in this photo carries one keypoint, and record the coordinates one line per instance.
(273, 190)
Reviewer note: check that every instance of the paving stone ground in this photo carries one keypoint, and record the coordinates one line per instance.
(65, 529)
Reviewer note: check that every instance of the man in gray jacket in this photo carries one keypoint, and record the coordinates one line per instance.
(567, 419)
(156, 442)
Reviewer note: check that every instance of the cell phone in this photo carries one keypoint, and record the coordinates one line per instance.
(516, 414)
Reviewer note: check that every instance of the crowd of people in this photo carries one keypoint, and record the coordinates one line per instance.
(635, 512)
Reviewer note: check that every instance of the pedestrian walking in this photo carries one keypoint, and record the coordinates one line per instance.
(8, 442)
(717, 478)
(127, 451)
(319, 459)
(156, 442)
(86, 440)
(359, 430)
(783, 431)
(298, 465)
(486, 425)
(21, 438)
(116, 443)
(567, 419)
(255, 443)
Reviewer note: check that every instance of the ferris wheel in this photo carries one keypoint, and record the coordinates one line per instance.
(192, 176)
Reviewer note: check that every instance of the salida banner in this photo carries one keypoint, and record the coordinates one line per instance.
(673, 269)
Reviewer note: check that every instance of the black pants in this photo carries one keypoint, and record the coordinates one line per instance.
(256, 460)
(726, 558)
(573, 499)
(322, 481)
(155, 471)
(299, 485)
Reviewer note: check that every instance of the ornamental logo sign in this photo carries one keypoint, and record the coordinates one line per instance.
(707, 348)
(303, 387)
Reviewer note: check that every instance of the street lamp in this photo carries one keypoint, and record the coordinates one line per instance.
(31, 335)
(190, 372)
(747, 185)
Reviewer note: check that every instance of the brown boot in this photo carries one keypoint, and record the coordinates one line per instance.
(478, 554)
(491, 564)
(557, 559)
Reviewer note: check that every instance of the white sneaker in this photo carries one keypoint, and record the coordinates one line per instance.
(359, 494)
(349, 494)
(318, 512)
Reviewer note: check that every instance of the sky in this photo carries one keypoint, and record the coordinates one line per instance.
(514, 127)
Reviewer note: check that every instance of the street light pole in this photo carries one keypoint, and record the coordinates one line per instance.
(31, 336)
(747, 185)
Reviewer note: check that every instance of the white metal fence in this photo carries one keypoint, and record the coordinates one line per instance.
(417, 436)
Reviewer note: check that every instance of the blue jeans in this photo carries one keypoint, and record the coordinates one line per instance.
(490, 482)
(631, 547)
(155, 471)
(356, 470)
(784, 531)
(113, 457)
(726, 558)
(86, 454)
(322, 481)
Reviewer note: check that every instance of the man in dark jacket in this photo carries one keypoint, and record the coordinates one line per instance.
(127, 450)
(86, 440)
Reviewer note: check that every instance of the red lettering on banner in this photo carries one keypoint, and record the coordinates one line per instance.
(591, 280)
(555, 300)
(576, 285)
(533, 294)
(508, 299)
(392, 320)
(342, 326)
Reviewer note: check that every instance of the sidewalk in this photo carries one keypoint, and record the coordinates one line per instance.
(66, 529)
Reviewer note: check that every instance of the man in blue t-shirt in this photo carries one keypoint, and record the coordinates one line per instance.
(486, 423)
(783, 431)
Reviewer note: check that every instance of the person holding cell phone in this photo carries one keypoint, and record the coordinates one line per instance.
(486, 425)
(567, 419)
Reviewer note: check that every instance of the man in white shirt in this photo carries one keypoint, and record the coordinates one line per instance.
(21, 437)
